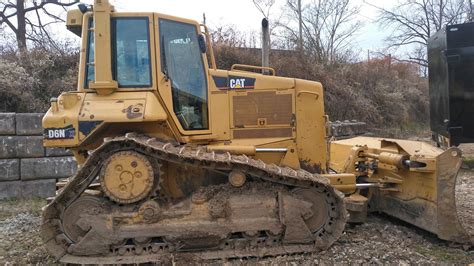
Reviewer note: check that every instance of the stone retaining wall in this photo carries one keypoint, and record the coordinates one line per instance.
(347, 129)
(27, 169)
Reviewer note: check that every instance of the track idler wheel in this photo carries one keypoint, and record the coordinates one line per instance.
(320, 214)
(71, 219)
(127, 177)
(309, 214)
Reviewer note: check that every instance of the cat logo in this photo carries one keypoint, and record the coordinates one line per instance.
(234, 83)
(238, 83)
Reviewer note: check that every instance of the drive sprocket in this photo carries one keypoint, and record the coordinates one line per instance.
(127, 177)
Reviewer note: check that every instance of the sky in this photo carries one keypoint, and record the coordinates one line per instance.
(245, 17)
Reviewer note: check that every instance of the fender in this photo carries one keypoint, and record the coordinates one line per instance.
(76, 115)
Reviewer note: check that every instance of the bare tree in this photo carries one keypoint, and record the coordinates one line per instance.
(264, 6)
(328, 27)
(229, 35)
(299, 11)
(25, 19)
(471, 11)
(415, 21)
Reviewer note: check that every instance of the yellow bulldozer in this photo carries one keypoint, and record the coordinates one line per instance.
(178, 157)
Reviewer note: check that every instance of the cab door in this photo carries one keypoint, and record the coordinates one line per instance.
(183, 75)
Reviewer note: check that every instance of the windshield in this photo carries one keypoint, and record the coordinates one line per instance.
(181, 61)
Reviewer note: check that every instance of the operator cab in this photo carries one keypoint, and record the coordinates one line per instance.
(179, 76)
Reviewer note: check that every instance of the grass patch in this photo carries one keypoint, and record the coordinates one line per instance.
(405, 131)
(469, 162)
(11, 207)
(445, 254)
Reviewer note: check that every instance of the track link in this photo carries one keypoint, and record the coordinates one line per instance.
(60, 246)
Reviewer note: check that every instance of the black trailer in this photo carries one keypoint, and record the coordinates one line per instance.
(451, 82)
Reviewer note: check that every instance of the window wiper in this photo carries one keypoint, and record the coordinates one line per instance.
(163, 55)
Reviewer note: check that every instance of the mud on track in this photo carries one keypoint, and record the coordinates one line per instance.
(381, 240)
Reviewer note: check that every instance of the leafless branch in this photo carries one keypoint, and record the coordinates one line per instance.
(264, 6)
(413, 22)
(328, 26)
(16, 16)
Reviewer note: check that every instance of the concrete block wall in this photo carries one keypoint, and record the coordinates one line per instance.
(27, 169)
(347, 129)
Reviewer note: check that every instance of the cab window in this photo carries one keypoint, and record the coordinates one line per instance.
(131, 52)
(90, 56)
(182, 63)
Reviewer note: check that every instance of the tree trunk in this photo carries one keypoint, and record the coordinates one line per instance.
(21, 25)
(300, 26)
(470, 17)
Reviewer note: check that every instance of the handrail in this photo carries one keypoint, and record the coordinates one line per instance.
(209, 44)
(235, 66)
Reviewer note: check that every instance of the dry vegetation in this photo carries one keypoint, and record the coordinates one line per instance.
(31, 78)
(317, 38)
(381, 92)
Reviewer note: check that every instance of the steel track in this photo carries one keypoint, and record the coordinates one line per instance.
(61, 247)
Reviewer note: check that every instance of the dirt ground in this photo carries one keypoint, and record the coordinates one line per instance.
(381, 240)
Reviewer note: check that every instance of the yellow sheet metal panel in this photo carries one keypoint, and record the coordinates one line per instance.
(122, 107)
(409, 146)
(74, 21)
(219, 107)
(264, 82)
(103, 82)
(60, 123)
(76, 115)
(311, 126)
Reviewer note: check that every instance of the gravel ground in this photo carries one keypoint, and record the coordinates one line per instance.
(20, 242)
(465, 190)
(381, 240)
(386, 240)
(465, 200)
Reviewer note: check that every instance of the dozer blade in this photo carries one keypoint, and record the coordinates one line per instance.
(439, 216)
(449, 170)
